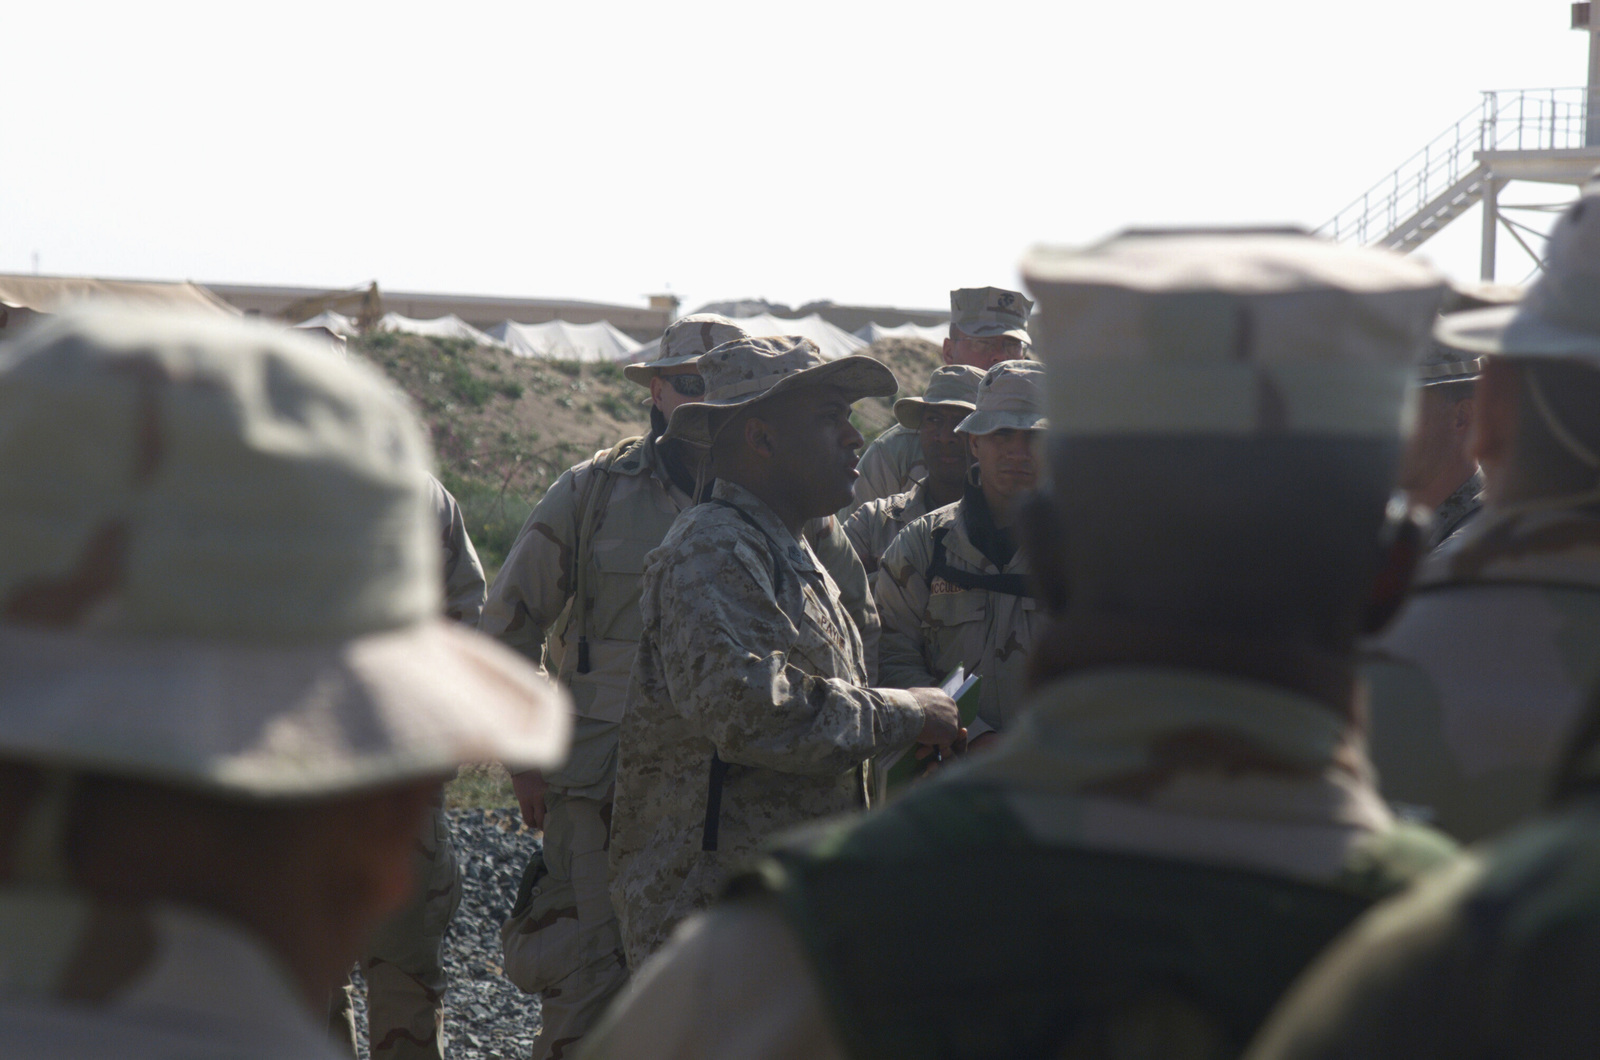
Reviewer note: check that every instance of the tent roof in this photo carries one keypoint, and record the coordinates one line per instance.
(448, 326)
(561, 341)
(935, 333)
(832, 341)
(337, 323)
(47, 294)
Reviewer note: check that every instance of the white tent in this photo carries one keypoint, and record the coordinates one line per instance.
(934, 333)
(834, 342)
(337, 323)
(561, 341)
(445, 327)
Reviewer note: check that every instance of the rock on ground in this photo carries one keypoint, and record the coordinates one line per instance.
(486, 1018)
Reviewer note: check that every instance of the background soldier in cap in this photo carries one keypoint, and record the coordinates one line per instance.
(1183, 817)
(228, 696)
(952, 393)
(1478, 682)
(581, 555)
(987, 325)
(1438, 472)
(954, 587)
(749, 709)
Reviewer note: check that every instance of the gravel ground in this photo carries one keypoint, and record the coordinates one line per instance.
(486, 1018)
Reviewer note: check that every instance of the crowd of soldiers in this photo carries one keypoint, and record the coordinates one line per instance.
(1240, 703)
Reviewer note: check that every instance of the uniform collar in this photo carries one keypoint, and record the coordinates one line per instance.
(1543, 546)
(795, 552)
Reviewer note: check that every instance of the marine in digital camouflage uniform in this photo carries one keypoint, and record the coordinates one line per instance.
(1437, 471)
(951, 393)
(227, 695)
(987, 325)
(1475, 687)
(749, 709)
(1184, 817)
(404, 964)
(587, 538)
(954, 588)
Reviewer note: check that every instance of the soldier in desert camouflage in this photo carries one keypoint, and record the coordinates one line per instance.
(749, 709)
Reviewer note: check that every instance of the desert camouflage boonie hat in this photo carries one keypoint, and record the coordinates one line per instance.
(1011, 397)
(955, 385)
(1237, 333)
(684, 341)
(1559, 316)
(220, 569)
(982, 312)
(748, 370)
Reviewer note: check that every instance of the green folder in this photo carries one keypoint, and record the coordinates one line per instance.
(964, 690)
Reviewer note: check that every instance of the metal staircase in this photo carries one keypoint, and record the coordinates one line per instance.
(1507, 136)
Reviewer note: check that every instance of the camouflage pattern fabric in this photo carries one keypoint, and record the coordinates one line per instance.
(930, 629)
(891, 465)
(747, 657)
(464, 585)
(1457, 510)
(1137, 763)
(92, 982)
(1498, 956)
(985, 311)
(874, 525)
(1476, 685)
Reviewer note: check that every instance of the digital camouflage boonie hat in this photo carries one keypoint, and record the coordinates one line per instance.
(1242, 333)
(982, 312)
(955, 385)
(1442, 365)
(748, 370)
(683, 343)
(1011, 397)
(220, 569)
(1559, 317)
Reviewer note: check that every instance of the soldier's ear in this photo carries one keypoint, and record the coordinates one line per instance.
(1401, 548)
(758, 436)
(1043, 542)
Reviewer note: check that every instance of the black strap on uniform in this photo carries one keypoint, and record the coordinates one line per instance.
(708, 834)
(1009, 584)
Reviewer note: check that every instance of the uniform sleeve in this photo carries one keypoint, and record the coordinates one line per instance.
(724, 657)
(902, 594)
(731, 984)
(838, 555)
(533, 587)
(879, 476)
(857, 528)
(464, 589)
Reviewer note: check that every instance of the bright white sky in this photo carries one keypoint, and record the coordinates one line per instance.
(863, 151)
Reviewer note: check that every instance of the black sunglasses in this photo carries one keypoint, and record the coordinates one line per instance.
(687, 384)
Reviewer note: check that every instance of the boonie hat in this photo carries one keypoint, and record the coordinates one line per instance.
(955, 385)
(1011, 396)
(1239, 333)
(683, 343)
(220, 569)
(982, 312)
(1560, 315)
(748, 370)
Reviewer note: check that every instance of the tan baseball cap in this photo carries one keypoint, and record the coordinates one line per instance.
(982, 312)
(955, 385)
(748, 370)
(1230, 333)
(684, 341)
(1011, 397)
(220, 569)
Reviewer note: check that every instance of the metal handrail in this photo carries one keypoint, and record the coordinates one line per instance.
(1529, 119)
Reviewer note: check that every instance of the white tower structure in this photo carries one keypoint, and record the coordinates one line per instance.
(1545, 136)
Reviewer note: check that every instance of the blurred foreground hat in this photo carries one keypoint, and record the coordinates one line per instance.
(981, 312)
(1250, 332)
(955, 385)
(1560, 315)
(684, 341)
(748, 370)
(220, 569)
(1010, 396)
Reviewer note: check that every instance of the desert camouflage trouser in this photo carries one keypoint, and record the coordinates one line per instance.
(404, 965)
(566, 946)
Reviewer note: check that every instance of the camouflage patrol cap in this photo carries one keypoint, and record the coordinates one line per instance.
(1560, 315)
(220, 569)
(1442, 365)
(1233, 333)
(955, 385)
(1011, 397)
(683, 342)
(981, 312)
(748, 370)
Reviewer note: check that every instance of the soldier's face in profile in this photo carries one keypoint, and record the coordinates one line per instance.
(814, 449)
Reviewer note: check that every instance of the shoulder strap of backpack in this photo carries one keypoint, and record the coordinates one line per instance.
(595, 499)
(1009, 584)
